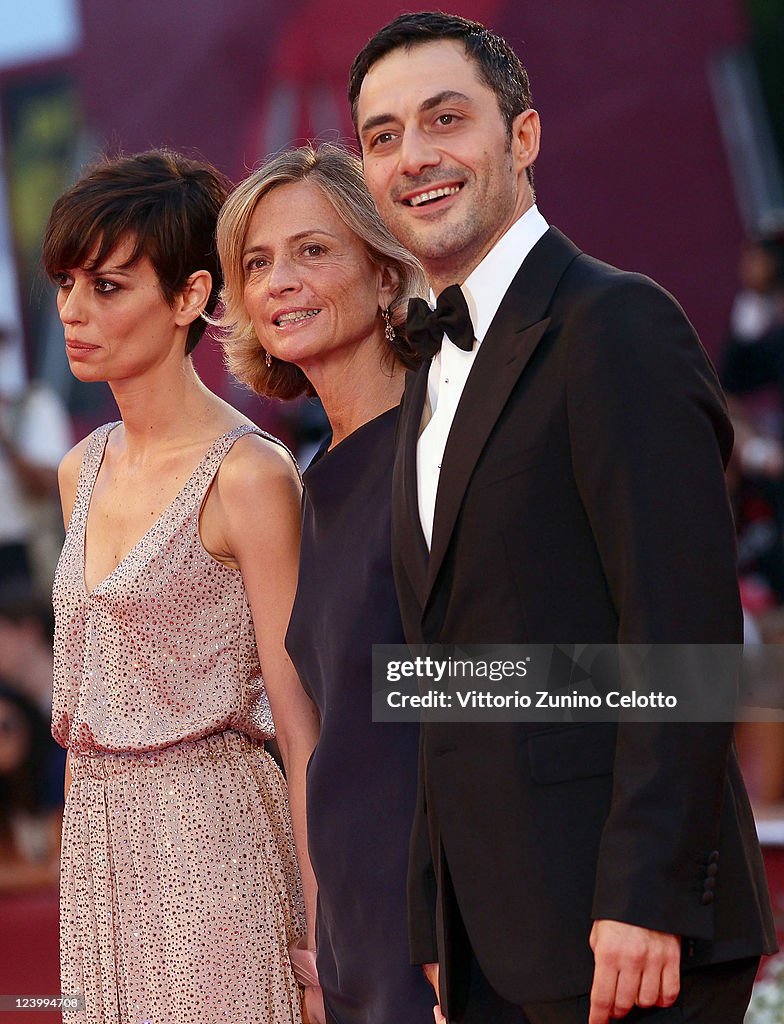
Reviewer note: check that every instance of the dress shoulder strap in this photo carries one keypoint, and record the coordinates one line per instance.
(88, 471)
(192, 494)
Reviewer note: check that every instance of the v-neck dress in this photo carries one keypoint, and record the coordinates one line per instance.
(179, 889)
(362, 775)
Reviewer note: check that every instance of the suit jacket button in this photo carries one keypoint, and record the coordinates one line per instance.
(712, 870)
(709, 884)
(707, 898)
(713, 857)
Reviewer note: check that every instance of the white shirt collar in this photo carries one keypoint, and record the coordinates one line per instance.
(486, 285)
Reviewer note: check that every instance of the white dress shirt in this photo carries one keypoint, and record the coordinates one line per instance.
(484, 289)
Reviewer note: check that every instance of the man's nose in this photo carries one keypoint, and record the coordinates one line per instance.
(417, 153)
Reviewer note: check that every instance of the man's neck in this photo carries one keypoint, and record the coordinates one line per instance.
(458, 267)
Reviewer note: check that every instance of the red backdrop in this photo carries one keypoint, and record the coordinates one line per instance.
(631, 167)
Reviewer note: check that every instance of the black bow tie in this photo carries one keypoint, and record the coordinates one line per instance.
(425, 327)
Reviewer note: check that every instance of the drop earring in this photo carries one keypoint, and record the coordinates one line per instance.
(268, 359)
(389, 330)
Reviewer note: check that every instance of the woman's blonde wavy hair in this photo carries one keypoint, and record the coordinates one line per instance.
(338, 174)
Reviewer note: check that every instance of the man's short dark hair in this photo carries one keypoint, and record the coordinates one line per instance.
(166, 204)
(498, 65)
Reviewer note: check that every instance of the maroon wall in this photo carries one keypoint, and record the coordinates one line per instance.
(631, 167)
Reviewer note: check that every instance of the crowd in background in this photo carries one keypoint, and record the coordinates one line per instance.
(751, 366)
(31, 763)
(35, 433)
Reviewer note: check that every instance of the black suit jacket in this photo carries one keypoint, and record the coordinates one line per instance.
(581, 500)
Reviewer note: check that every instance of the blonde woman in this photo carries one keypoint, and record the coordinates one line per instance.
(315, 288)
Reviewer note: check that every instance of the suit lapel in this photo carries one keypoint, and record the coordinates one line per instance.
(511, 340)
(407, 532)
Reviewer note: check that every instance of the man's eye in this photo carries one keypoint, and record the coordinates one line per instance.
(446, 119)
(383, 138)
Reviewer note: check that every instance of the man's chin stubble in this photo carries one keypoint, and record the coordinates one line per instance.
(453, 247)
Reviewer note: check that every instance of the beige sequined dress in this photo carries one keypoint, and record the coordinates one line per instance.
(179, 888)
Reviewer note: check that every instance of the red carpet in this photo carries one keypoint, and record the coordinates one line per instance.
(28, 952)
(28, 940)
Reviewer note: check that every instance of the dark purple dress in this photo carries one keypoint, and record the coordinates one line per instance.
(362, 776)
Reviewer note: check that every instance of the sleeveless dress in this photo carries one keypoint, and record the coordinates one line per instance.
(180, 893)
(362, 777)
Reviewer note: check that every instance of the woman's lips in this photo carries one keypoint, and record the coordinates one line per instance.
(293, 318)
(75, 348)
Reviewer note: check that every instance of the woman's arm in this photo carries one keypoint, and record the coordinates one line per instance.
(256, 497)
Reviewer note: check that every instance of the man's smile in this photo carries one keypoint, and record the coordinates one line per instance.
(430, 195)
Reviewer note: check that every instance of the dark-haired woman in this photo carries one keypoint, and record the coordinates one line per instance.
(315, 285)
(179, 890)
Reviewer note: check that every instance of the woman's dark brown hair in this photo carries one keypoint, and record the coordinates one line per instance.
(165, 203)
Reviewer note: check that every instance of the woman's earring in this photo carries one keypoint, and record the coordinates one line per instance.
(268, 359)
(389, 330)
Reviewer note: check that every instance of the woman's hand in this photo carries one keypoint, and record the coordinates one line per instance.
(431, 973)
(303, 963)
(314, 1005)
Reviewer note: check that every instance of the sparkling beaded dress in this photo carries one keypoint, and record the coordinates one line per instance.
(180, 893)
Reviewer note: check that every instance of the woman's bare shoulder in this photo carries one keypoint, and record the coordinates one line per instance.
(258, 461)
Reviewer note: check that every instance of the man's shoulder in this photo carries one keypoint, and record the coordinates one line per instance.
(591, 285)
(589, 273)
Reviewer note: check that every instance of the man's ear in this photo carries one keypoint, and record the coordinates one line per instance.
(193, 298)
(526, 133)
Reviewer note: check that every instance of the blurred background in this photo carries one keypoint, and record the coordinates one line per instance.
(662, 152)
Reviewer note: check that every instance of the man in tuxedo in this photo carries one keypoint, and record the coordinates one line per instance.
(559, 479)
